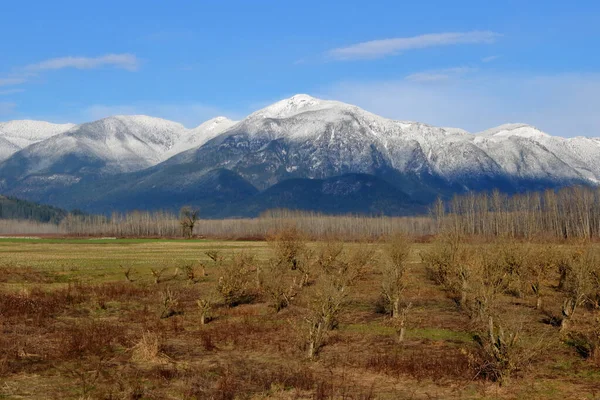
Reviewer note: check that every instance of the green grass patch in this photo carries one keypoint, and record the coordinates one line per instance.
(439, 334)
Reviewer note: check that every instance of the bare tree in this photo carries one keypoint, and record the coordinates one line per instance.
(338, 274)
(187, 218)
(394, 279)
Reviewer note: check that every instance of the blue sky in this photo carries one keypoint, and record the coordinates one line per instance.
(469, 64)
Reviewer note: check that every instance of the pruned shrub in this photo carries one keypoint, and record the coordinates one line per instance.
(279, 287)
(579, 283)
(338, 274)
(502, 351)
(169, 304)
(289, 248)
(234, 285)
(205, 307)
(394, 273)
(449, 265)
(587, 343)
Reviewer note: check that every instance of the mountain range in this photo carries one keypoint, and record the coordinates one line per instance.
(299, 153)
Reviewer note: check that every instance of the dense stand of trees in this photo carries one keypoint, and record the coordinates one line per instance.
(572, 212)
(13, 208)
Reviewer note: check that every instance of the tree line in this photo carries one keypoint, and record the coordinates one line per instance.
(570, 212)
(567, 213)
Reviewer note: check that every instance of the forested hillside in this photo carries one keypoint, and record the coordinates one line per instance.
(13, 208)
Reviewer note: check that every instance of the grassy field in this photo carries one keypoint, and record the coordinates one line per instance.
(73, 326)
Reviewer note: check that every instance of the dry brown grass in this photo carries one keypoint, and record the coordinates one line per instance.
(105, 338)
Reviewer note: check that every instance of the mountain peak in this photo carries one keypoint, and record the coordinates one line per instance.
(201, 134)
(514, 129)
(302, 98)
(214, 122)
(294, 105)
(18, 134)
(32, 126)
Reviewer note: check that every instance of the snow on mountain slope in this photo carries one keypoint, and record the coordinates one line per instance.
(110, 145)
(307, 137)
(201, 134)
(300, 137)
(16, 135)
(322, 138)
(525, 150)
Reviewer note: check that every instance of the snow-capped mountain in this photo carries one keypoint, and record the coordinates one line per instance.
(201, 134)
(110, 145)
(140, 161)
(16, 135)
(306, 137)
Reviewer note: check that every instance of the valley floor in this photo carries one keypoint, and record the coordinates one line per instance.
(85, 318)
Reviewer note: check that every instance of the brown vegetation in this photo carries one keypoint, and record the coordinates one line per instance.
(297, 319)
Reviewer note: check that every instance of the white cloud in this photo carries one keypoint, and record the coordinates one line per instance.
(123, 61)
(386, 47)
(11, 81)
(7, 108)
(10, 91)
(440, 74)
(489, 59)
(562, 104)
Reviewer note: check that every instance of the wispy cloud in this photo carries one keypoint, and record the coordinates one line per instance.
(393, 46)
(11, 81)
(10, 91)
(489, 59)
(128, 62)
(7, 108)
(440, 74)
(22, 75)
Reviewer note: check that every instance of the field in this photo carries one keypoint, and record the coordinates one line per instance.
(122, 319)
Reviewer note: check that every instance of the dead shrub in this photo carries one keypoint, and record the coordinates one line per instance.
(39, 304)
(249, 378)
(169, 304)
(206, 338)
(149, 349)
(194, 274)
(437, 364)
(502, 351)
(587, 343)
(91, 338)
(278, 285)
(119, 291)
(234, 285)
(579, 283)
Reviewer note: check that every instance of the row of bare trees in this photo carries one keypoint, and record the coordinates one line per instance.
(189, 223)
(572, 212)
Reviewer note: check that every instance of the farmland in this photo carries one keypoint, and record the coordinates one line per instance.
(122, 318)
